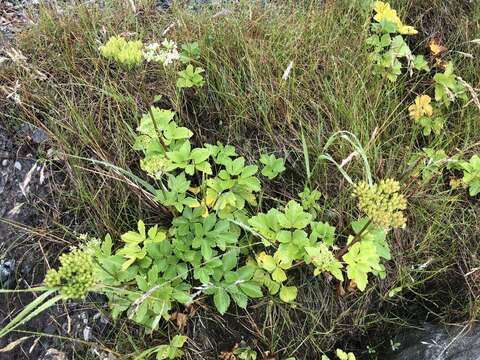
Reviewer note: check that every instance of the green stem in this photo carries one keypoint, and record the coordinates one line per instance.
(355, 240)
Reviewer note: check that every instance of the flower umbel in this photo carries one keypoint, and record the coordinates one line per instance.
(382, 202)
(75, 277)
(166, 53)
(128, 53)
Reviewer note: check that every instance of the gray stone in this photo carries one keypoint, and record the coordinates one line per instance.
(18, 165)
(7, 274)
(436, 342)
(39, 136)
(54, 354)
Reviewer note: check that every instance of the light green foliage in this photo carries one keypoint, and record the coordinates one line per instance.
(364, 256)
(127, 53)
(342, 355)
(432, 165)
(166, 146)
(75, 277)
(190, 52)
(136, 243)
(172, 350)
(324, 232)
(436, 161)
(387, 63)
(190, 77)
(361, 259)
(298, 238)
(420, 64)
(272, 166)
(388, 48)
(245, 353)
(447, 87)
(382, 202)
(150, 283)
(324, 260)
(471, 174)
(431, 125)
(200, 241)
(288, 293)
(388, 45)
(309, 200)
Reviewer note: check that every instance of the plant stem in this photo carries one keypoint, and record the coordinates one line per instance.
(355, 240)
(164, 146)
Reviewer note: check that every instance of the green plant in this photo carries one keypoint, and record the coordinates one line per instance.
(471, 174)
(245, 353)
(424, 114)
(190, 52)
(447, 87)
(190, 77)
(158, 267)
(309, 200)
(128, 53)
(242, 86)
(382, 203)
(173, 350)
(75, 278)
(341, 355)
(272, 166)
(436, 161)
(387, 50)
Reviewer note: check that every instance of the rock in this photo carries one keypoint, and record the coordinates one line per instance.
(4, 162)
(18, 165)
(435, 342)
(53, 354)
(39, 136)
(7, 274)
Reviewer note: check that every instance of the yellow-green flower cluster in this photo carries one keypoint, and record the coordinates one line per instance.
(75, 277)
(153, 164)
(128, 53)
(382, 202)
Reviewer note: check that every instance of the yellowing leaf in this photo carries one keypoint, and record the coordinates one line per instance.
(421, 107)
(211, 197)
(266, 262)
(385, 13)
(436, 47)
(205, 212)
(407, 30)
(279, 275)
(194, 190)
(441, 64)
(288, 293)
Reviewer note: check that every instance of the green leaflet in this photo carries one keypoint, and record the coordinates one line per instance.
(362, 259)
(471, 174)
(272, 166)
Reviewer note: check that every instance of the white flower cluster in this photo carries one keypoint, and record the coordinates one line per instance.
(165, 53)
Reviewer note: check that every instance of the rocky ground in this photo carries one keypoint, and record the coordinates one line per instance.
(28, 177)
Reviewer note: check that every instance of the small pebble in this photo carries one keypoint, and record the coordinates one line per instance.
(4, 162)
(18, 166)
(39, 136)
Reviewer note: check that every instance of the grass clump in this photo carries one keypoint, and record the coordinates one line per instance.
(281, 79)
